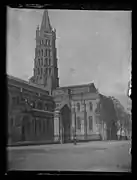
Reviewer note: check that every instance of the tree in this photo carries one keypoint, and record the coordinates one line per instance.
(108, 115)
(123, 116)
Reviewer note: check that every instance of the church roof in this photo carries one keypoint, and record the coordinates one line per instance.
(77, 86)
(26, 83)
(45, 25)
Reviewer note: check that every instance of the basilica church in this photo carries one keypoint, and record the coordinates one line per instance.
(39, 110)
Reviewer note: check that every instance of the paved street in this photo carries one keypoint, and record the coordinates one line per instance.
(91, 156)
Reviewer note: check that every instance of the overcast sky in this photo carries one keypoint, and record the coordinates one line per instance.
(91, 46)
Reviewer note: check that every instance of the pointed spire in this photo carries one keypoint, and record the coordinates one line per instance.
(45, 25)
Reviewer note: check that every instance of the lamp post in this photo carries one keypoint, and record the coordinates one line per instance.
(74, 129)
(85, 117)
(75, 136)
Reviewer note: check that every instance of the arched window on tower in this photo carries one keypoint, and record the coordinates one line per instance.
(47, 52)
(49, 61)
(49, 71)
(35, 52)
(39, 62)
(46, 71)
(38, 71)
(45, 62)
(50, 53)
(42, 52)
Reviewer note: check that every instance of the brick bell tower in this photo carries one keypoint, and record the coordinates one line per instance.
(45, 72)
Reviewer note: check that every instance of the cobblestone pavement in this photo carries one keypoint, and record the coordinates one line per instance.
(91, 156)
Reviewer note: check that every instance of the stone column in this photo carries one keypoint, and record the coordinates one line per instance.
(61, 129)
(56, 128)
(85, 121)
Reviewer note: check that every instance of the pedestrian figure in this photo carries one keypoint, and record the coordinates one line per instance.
(75, 140)
(74, 136)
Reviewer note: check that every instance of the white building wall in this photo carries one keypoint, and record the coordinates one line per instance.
(78, 114)
(81, 115)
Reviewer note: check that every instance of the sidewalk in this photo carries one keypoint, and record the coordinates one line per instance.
(32, 143)
(35, 143)
(95, 144)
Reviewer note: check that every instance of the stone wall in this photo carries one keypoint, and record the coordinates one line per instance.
(30, 114)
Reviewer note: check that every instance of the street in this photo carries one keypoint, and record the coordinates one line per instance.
(90, 156)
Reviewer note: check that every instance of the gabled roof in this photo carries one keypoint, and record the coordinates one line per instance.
(45, 25)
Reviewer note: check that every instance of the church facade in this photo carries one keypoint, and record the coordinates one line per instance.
(78, 112)
(70, 111)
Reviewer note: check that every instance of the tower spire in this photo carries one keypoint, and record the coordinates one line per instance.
(45, 25)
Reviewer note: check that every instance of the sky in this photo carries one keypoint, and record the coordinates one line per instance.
(92, 46)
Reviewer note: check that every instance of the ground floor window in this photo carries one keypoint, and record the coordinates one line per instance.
(78, 123)
(34, 123)
(90, 123)
(43, 126)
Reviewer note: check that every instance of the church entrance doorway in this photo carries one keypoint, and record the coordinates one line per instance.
(65, 113)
